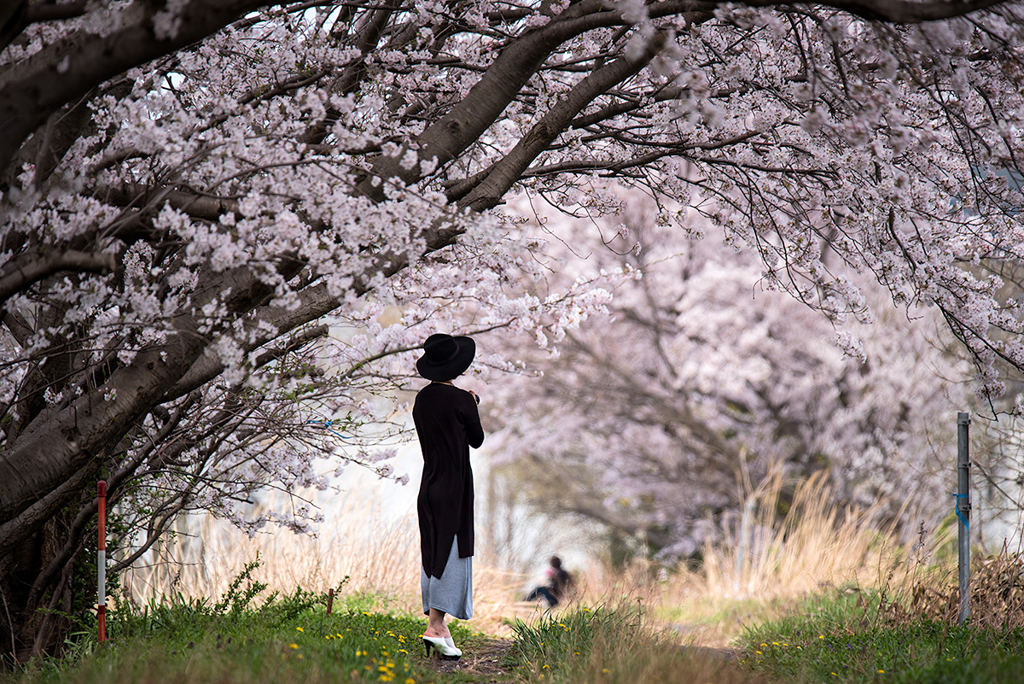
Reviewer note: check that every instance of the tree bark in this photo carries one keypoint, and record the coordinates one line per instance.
(34, 89)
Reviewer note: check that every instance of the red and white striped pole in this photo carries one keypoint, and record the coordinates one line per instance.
(101, 561)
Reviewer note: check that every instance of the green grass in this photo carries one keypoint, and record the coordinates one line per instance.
(284, 639)
(840, 638)
(291, 639)
(240, 639)
(611, 646)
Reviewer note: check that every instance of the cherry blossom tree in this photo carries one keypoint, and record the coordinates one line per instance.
(663, 422)
(189, 188)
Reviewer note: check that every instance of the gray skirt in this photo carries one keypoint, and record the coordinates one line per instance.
(453, 592)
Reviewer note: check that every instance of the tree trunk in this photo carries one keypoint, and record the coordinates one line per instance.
(36, 618)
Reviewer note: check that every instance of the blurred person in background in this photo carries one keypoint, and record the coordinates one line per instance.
(560, 584)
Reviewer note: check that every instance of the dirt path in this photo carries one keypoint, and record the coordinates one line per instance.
(484, 663)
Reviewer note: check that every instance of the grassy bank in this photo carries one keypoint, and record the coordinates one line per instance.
(293, 639)
(850, 636)
(283, 639)
(853, 637)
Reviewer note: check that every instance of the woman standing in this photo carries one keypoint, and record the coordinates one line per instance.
(447, 424)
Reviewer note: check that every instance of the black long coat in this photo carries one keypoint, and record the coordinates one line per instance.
(447, 423)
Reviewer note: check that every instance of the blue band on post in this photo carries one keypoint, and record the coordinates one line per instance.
(960, 515)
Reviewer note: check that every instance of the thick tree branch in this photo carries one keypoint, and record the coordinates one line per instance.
(899, 11)
(209, 207)
(12, 21)
(45, 82)
(17, 15)
(26, 269)
(506, 172)
(487, 99)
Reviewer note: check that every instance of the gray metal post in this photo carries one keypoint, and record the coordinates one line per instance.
(963, 511)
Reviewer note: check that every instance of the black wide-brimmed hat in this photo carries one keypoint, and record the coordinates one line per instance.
(445, 357)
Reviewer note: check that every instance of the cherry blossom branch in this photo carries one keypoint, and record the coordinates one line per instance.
(137, 387)
(205, 206)
(159, 523)
(18, 15)
(448, 137)
(69, 69)
(28, 268)
(615, 167)
(507, 171)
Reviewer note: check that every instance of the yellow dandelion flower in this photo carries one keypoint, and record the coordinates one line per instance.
(881, 672)
(606, 670)
(300, 629)
(293, 645)
(410, 681)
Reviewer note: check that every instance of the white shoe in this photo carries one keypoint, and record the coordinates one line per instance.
(446, 650)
